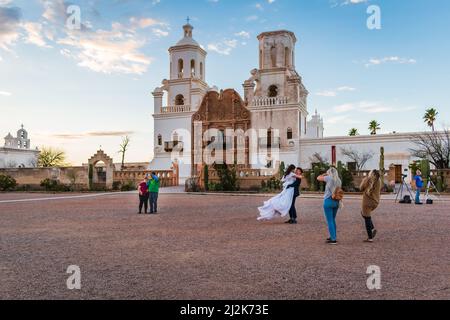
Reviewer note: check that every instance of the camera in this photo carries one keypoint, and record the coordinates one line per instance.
(404, 175)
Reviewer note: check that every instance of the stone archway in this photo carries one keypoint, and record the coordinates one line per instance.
(103, 175)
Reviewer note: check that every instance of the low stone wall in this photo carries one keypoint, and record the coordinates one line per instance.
(167, 178)
(77, 176)
(249, 179)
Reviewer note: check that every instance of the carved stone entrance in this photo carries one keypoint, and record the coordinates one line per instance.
(101, 176)
(222, 111)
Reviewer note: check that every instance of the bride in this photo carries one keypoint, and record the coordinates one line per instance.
(280, 205)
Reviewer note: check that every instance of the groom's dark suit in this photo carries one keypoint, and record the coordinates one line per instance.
(293, 210)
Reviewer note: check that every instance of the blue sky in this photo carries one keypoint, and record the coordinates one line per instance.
(78, 90)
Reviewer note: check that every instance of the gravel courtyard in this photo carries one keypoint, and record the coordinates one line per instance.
(212, 247)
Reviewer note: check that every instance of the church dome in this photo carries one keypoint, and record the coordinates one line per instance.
(187, 39)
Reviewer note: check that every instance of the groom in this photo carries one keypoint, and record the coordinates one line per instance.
(296, 186)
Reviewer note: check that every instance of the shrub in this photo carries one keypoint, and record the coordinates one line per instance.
(128, 186)
(7, 183)
(192, 185)
(227, 176)
(117, 185)
(54, 185)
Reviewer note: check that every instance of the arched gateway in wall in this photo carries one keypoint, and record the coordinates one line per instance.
(103, 176)
(221, 111)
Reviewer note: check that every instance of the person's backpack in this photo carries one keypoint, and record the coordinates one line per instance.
(338, 194)
(406, 200)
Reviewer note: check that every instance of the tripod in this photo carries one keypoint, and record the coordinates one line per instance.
(402, 187)
(431, 184)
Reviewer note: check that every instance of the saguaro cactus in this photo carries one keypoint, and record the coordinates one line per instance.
(382, 170)
(206, 177)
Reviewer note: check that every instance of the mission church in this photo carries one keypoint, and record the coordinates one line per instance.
(275, 103)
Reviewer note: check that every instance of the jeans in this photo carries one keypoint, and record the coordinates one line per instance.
(369, 226)
(418, 195)
(143, 202)
(331, 208)
(293, 210)
(153, 202)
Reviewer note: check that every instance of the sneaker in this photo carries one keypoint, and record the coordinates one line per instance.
(419, 203)
(374, 233)
(369, 241)
(331, 242)
(151, 212)
(289, 221)
(294, 222)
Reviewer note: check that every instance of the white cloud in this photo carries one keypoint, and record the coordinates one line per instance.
(35, 34)
(371, 107)
(392, 59)
(5, 93)
(224, 48)
(270, 1)
(243, 34)
(107, 51)
(10, 20)
(334, 92)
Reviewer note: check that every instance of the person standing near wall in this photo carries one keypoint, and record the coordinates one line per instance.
(371, 188)
(153, 188)
(419, 185)
(331, 203)
(143, 195)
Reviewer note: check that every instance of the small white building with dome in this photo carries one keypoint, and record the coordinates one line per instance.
(17, 152)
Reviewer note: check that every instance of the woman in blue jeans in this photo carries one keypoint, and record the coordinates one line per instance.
(330, 206)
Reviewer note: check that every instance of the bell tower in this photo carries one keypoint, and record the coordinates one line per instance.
(276, 96)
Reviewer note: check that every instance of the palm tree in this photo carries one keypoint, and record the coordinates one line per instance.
(50, 158)
(374, 126)
(353, 132)
(430, 117)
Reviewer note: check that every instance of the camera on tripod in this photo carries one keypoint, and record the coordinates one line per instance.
(404, 175)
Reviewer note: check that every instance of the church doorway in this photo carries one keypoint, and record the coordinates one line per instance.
(222, 113)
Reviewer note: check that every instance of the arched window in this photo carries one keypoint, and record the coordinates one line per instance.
(273, 55)
(179, 100)
(273, 91)
(289, 133)
(175, 137)
(287, 57)
(180, 68)
(159, 140)
(201, 69)
(192, 67)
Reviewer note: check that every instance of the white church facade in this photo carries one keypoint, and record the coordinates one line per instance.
(275, 103)
(17, 152)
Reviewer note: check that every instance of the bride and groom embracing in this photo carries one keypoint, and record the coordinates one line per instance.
(284, 203)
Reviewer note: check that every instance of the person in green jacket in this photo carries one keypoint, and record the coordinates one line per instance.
(153, 188)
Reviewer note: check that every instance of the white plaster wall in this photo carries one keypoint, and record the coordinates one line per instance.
(26, 158)
(396, 149)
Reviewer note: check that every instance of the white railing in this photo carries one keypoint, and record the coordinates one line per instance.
(268, 102)
(176, 109)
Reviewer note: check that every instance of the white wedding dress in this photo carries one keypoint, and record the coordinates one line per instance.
(279, 205)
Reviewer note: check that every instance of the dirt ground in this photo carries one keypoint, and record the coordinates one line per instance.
(212, 247)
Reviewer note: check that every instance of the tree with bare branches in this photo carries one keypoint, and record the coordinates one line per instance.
(123, 149)
(318, 158)
(432, 146)
(359, 158)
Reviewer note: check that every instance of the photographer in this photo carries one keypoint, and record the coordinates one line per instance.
(419, 185)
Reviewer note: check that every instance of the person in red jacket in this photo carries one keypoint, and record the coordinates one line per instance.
(143, 195)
